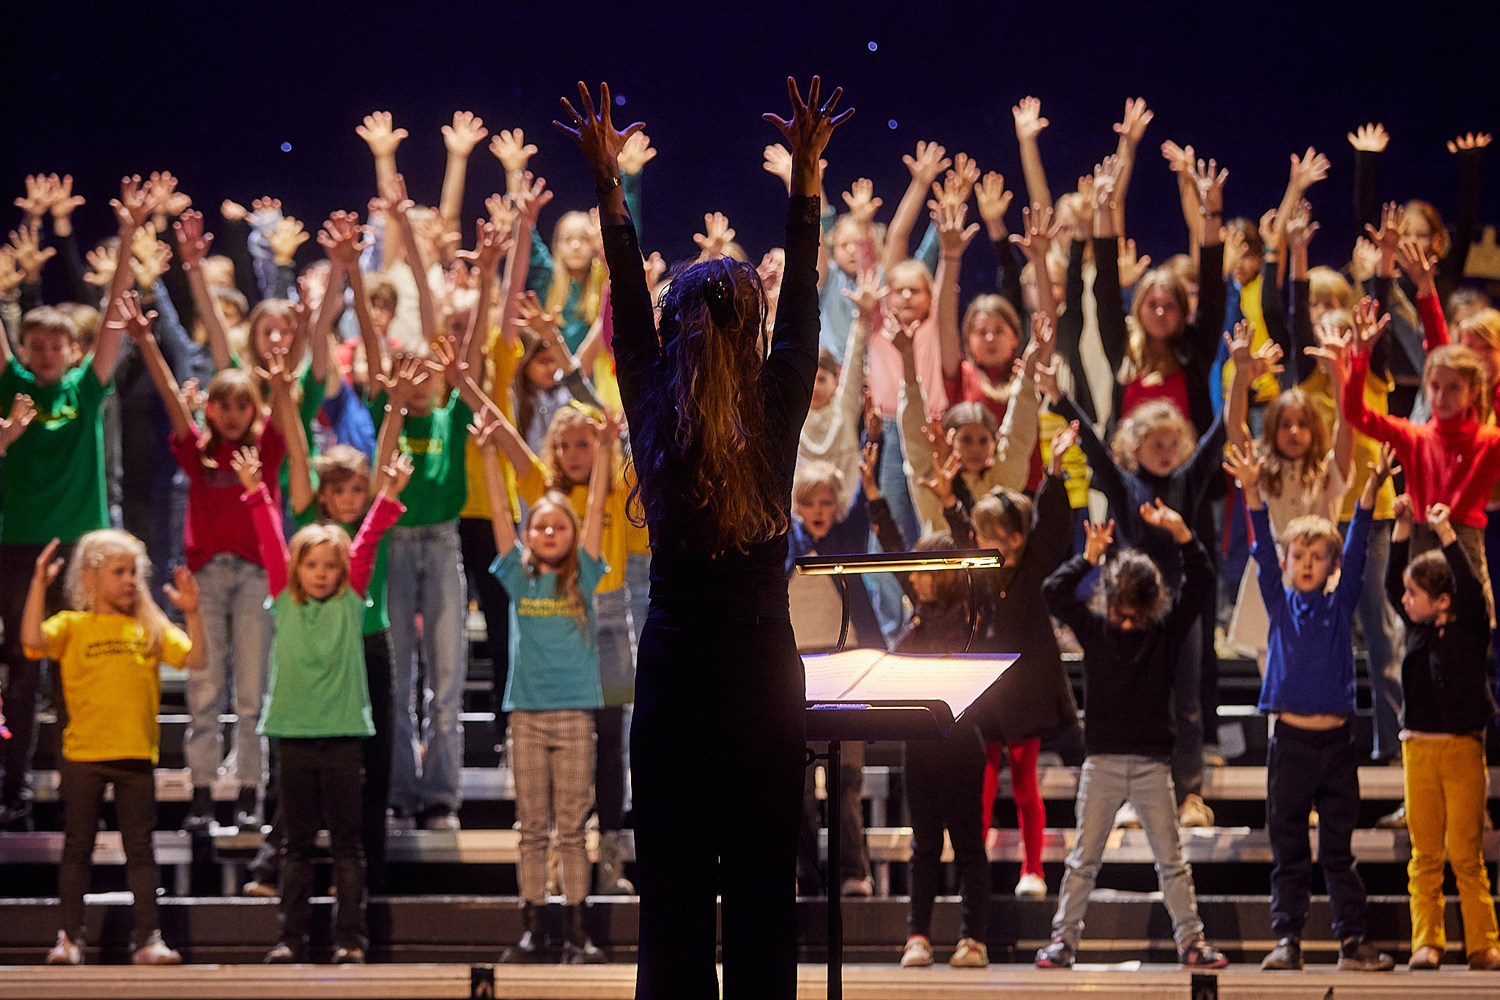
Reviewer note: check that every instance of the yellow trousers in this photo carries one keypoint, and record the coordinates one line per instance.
(1445, 803)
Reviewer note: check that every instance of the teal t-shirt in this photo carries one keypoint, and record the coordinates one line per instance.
(554, 659)
(377, 617)
(318, 685)
(54, 472)
(438, 486)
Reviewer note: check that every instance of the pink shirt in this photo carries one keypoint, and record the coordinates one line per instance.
(885, 370)
(217, 521)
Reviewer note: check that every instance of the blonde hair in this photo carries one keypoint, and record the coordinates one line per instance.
(1313, 465)
(571, 416)
(562, 281)
(1326, 283)
(91, 552)
(813, 476)
(1483, 323)
(1467, 363)
(566, 588)
(303, 542)
(910, 269)
(1310, 528)
(1435, 225)
(266, 309)
(1146, 355)
(1144, 420)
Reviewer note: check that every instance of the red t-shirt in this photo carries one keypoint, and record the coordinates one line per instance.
(217, 520)
(1173, 389)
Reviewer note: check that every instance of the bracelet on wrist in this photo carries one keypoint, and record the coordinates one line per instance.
(603, 188)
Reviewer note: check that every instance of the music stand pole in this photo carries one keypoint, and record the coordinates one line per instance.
(835, 886)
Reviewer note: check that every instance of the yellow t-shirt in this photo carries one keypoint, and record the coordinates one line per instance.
(1075, 465)
(502, 357)
(111, 683)
(1265, 388)
(532, 483)
(1319, 387)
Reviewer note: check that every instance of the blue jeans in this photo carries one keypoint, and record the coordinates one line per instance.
(1383, 644)
(1109, 781)
(884, 590)
(239, 630)
(427, 577)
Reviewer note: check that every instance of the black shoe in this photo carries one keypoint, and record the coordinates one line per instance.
(1201, 955)
(528, 949)
(282, 954)
(578, 949)
(201, 813)
(1285, 957)
(15, 815)
(1359, 955)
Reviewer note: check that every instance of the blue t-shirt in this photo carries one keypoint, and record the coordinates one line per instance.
(1309, 650)
(554, 659)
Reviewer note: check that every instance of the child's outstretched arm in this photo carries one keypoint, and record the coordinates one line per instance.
(193, 244)
(925, 167)
(139, 327)
(1199, 583)
(1395, 565)
(491, 244)
(384, 512)
(1468, 592)
(22, 410)
(265, 516)
(397, 204)
(461, 137)
(1131, 128)
(33, 639)
(185, 596)
(279, 377)
(1357, 541)
(132, 208)
(1029, 125)
(1061, 588)
(1356, 364)
(599, 484)
(953, 238)
(483, 430)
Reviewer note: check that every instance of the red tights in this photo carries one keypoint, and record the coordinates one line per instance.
(1026, 791)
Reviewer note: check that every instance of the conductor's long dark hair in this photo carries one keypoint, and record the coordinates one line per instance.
(709, 422)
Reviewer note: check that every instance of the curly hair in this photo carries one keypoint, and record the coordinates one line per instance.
(1151, 416)
(90, 553)
(1131, 580)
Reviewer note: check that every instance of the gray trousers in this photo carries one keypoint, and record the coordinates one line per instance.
(553, 757)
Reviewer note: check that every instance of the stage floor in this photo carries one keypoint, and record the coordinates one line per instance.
(1128, 981)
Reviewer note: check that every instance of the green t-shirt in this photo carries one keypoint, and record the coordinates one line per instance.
(313, 391)
(438, 486)
(376, 615)
(318, 684)
(54, 472)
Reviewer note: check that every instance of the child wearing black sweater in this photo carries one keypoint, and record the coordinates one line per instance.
(943, 777)
(1130, 635)
(1448, 706)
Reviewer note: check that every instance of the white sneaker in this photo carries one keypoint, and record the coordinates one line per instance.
(155, 952)
(1031, 885)
(1126, 818)
(858, 887)
(918, 952)
(970, 954)
(66, 951)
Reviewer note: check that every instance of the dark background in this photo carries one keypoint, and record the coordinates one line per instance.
(211, 92)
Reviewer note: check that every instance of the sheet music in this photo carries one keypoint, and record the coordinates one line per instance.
(870, 675)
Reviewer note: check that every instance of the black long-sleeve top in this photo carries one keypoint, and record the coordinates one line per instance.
(1184, 490)
(1128, 676)
(1070, 325)
(1195, 348)
(1451, 267)
(686, 573)
(1034, 697)
(1443, 673)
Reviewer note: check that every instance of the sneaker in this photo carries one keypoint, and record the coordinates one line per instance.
(918, 952)
(1057, 955)
(282, 954)
(348, 956)
(1201, 955)
(15, 814)
(1126, 818)
(1425, 958)
(858, 887)
(1195, 813)
(1285, 957)
(1392, 820)
(247, 815)
(261, 890)
(66, 951)
(970, 954)
(1358, 955)
(441, 818)
(155, 952)
(1031, 885)
(397, 818)
(201, 813)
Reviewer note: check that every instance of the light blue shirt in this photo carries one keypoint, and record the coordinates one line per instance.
(554, 658)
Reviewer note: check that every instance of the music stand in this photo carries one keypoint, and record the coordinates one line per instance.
(875, 719)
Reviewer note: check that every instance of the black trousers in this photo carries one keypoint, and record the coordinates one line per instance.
(944, 785)
(24, 677)
(1306, 770)
(476, 540)
(320, 780)
(717, 751)
(609, 767)
(83, 784)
